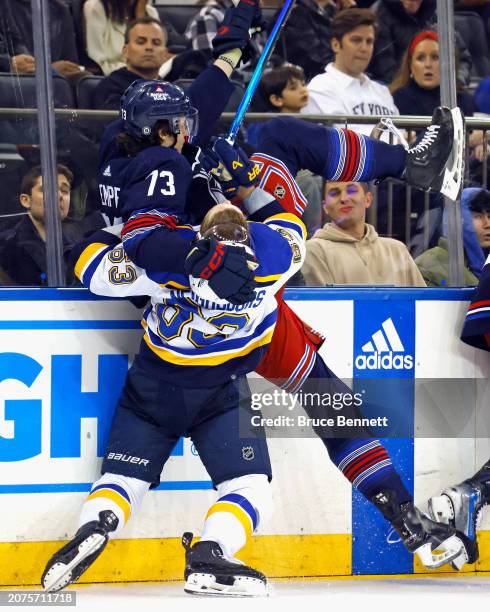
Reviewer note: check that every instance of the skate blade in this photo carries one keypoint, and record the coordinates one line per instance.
(60, 574)
(452, 549)
(206, 584)
(454, 174)
(441, 509)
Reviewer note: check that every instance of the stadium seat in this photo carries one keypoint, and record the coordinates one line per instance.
(85, 90)
(235, 97)
(19, 91)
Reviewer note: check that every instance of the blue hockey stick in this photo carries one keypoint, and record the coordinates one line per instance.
(257, 73)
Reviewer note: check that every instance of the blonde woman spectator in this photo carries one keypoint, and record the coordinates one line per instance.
(105, 25)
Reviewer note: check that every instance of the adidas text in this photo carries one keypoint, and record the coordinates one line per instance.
(384, 361)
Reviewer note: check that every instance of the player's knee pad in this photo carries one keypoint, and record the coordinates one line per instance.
(256, 489)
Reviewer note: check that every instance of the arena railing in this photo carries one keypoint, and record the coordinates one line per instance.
(399, 211)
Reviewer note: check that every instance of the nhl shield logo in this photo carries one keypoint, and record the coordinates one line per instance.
(248, 453)
(279, 192)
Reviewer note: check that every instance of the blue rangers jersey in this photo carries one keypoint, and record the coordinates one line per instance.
(190, 334)
(476, 328)
(209, 93)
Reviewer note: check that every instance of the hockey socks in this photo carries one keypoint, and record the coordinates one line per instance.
(243, 503)
(367, 465)
(120, 494)
(355, 157)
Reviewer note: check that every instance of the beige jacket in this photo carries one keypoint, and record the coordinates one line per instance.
(335, 258)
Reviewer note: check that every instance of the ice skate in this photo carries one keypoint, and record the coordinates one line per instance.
(436, 163)
(69, 563)
(461, 507)
(208, 572)
(434, 543)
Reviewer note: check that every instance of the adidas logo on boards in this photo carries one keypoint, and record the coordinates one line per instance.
(107, 171)
(385, 351)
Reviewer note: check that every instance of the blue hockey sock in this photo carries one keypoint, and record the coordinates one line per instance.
(367, 464)
(355, 157)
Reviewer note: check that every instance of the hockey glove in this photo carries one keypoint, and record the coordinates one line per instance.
(228, 269)
(233, 32)
(231, 166)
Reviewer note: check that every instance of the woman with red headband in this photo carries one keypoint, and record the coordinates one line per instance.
(415, 87)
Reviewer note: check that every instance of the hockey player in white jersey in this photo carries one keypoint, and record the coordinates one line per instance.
(188, 379)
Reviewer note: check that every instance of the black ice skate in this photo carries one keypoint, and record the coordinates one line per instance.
(461, 507)
(437, 162)
(69, 563)
(419, 533)
(208, 572)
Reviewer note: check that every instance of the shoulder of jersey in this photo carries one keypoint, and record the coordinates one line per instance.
(275, 249)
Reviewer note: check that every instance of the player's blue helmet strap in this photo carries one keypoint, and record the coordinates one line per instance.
(144, 103)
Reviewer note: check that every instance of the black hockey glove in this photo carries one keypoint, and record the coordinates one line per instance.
(227, 269)
(231, 166)
(233, 31)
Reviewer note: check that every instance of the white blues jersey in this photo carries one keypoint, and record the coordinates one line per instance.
(187, 328)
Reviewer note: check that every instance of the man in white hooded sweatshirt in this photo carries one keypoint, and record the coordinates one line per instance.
(348, 251)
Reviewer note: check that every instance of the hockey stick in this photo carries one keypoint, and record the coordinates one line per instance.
(257, 73)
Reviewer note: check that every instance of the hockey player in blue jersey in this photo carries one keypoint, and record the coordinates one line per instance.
(462, 505)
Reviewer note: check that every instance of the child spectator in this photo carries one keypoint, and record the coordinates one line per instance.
(284, 90)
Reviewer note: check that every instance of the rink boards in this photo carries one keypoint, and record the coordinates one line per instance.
(64, 355)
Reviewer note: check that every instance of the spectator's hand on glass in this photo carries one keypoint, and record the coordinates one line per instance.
(66, 68)
(23, 63)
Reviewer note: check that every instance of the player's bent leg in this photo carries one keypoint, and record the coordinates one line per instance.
(461, 506)
(211, 567)
(112, 500)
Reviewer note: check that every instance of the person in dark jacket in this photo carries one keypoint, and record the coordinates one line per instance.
(416, 87)
(14, 55)
(64, 55)
(399, 21)
(145, 51)
(306, 36)
(23, 249)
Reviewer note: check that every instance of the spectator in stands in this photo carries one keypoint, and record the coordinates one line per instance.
(144, 50)
(434, 263)
(105, 27)
(14, 55)
(344, 88)
(23, 249)
(64, 54)
(416, 87)
(399, 21)
(348, 251)
(203, 27)
(304, 41)
(284, 90)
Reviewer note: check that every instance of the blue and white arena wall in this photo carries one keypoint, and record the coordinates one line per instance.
(63, 358)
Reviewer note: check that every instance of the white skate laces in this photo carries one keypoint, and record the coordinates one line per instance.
(429, 137)
(388, 125)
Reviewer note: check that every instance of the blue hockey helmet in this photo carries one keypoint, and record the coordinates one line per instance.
(146, 102)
